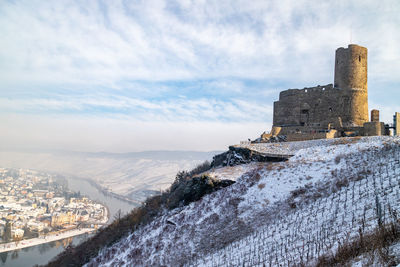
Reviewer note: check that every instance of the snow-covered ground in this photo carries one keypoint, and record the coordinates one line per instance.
(232, 172)
(290, 148)
(276, 213)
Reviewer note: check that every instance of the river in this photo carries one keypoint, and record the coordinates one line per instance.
(41, 254)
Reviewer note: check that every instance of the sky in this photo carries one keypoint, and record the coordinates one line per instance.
(122, 76)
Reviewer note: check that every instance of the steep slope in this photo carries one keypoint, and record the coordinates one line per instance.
(328, 194)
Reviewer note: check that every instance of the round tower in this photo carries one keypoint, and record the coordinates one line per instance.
(351, 76)
(351, 67)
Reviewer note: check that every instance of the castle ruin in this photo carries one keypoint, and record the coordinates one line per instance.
(333, 110)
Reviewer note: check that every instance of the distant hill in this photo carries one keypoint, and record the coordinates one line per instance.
(153, 154)
(133, 174)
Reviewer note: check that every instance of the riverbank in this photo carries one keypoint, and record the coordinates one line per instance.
(43, 239)
(52, 237)
(107, 192)
(42, 252)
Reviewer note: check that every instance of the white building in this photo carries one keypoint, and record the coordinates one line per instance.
(17, 233)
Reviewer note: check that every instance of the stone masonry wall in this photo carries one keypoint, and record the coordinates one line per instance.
(320, 106)
(342, 105)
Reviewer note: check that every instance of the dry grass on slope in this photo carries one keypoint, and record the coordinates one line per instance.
(375, 243)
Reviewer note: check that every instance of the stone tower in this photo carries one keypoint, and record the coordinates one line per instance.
(351, 76)
(374, 115)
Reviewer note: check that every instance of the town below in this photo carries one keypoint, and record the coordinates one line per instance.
(37, 208)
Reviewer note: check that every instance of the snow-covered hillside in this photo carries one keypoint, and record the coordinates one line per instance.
(284, 213)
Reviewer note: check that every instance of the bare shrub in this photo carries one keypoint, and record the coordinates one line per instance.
(261, 186)
(341, 183)
(270, 166)
(203, 167)
(280, 167)
(297, 192)
(346, 140)
(338, 158)
(377, 241)
(254, 176)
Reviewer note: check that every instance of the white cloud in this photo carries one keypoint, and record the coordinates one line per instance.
(174, 110)
(68, 41)
(169, 64)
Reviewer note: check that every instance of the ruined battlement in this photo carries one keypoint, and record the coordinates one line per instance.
(305, 90)
(341, 105)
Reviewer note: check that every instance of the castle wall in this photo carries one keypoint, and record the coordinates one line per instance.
(374, 128)
(343, 105)
(320, 106)
(311, 136)
(310, 106)
(299, 133)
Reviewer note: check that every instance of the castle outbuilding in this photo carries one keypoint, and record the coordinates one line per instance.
(333, 110)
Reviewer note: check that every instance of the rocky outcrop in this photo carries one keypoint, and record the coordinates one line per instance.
(195, 188)
(239, 155)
